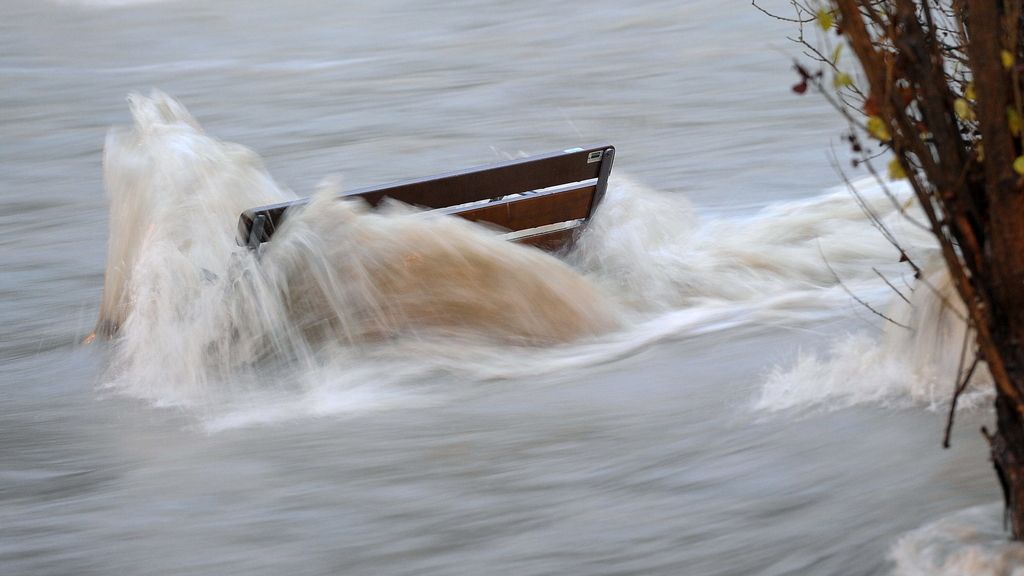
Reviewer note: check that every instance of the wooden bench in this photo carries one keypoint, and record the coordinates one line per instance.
(542, 200)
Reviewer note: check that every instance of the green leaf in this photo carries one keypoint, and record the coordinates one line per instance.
(842, 80)
(1018, 165)
(1008, 59)
(1013, 121)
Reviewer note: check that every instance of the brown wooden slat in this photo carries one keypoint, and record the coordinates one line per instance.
(489, 182)
(534, 210)
(461, 187)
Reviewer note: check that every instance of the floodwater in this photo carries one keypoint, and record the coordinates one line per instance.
(729, 408)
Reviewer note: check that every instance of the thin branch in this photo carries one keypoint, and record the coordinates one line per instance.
(889, 284)
(777, 17)
(860, 301)
(872, 217)
(956, 396)
(892, 197)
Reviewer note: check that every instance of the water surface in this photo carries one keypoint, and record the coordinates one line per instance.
(646, 452)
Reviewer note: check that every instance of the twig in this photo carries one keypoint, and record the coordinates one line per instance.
(956, 396)
(892, 197)
(783, 18)
(959, 388)
(889, 284)
(872, 217)
(854, 296)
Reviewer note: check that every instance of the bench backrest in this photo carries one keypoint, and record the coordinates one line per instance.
(541, 199)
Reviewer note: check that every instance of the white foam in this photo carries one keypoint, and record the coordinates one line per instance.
(971, 541)
(914, 353)
(201, 321)
(653, 248)
(917, 361)
(346, 307)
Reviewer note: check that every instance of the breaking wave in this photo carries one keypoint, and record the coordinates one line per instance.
(652, 248)
(196, 315)
(920, 354)
(351, 309)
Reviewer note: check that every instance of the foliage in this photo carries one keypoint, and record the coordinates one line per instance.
(939, 86)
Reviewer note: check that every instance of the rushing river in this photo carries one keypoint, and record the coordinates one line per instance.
(721, 405)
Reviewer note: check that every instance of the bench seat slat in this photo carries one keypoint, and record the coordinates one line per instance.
(547, 239)
(534, 210)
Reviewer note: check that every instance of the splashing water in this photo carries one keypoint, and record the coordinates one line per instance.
(351, 309)
(653, 247)
(971, 541)
(194, 309)
(171, 190)
(352, 303)
(637, 443)
(920, 356)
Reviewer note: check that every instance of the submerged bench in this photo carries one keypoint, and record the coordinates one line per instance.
(542, 200)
